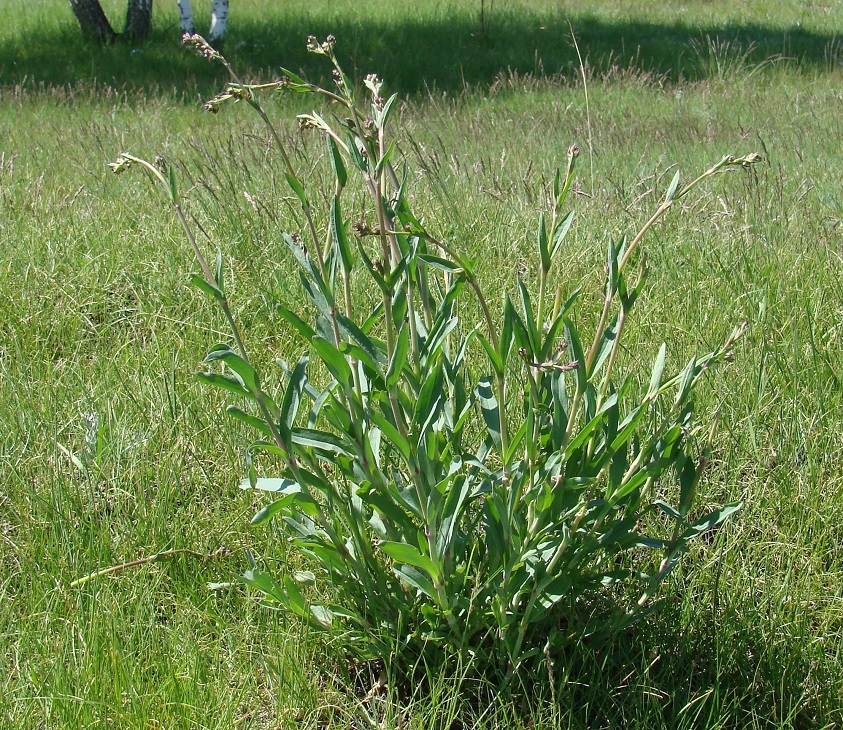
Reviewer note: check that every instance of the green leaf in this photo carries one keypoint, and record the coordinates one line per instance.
(266, 584)
(685, 382)
(272, 484)
(373, 351)
(323, 441)
(204, 286)
(269, 511)
(713, 519)
(250, 420)
(387, 110)
(429, 401)
(607, 342)
(298, 324)
(658, 370)
(671, 190)
(298, 188)
(544, 250)
(292, 394)
(399, 356)
(587, 430)
(627, 427)
(339, 236)
(242, 369)
(529, 320)
(575, 348)
(297, 80)
(562, 228)
(494, 357)
(507, 331)
(218, 271)
(414, 577)
(403, 552)
(437, 262)
(688, 479)
(559, 423)
(354, 145)
(392, 435)
(223, 381)
(337, 162)
(489, 409)
(385, 157)
(334, 361)
(174, 195)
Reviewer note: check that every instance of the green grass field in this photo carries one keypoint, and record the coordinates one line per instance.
(110, 452)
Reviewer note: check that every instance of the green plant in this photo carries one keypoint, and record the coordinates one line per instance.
(459, 490)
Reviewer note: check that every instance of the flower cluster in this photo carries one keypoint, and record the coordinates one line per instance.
(199, 44)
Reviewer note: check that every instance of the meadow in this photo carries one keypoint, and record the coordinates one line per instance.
(110, 452)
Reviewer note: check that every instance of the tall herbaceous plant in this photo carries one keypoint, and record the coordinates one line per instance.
(469, 491)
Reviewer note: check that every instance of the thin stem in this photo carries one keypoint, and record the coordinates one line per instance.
(221, 552)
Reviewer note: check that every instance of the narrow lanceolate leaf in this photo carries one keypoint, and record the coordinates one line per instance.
(373, 350)
(355, 144)
(242, 369)
(437, 262)
(711, 520)
(297, 187)
(269, 511)
(429, 401)
(607, 342)
(385, 158)
(219, 271)
(685, 382)
(658, 370)
(671, 190)
(489, 409)
(575, 349)
(338, 234)
(494, 357)
(507, 331)
(403, 552)
(392, 434)
(272, 484)
(387, 110)
(562, 228)
(337, 162)
(297, 80)
(529, 320)
(174, 193)
(334, 361)
(688, 478)
(223, 381)
(323, 441)
(296, 322)
(544, 249)
(399, 357)
(205, 286)
(292, 395)
(250, 420)
(414, 577)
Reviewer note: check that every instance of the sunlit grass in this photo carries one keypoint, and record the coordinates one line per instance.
(96, 317)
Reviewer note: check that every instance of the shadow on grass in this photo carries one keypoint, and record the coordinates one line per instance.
(717, 671)
(442, 53)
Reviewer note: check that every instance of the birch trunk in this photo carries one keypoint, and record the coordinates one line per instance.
(92, 21)
(219, 21)
(138, 20)
(186, 17)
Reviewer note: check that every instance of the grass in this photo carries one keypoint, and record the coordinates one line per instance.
(97, 318)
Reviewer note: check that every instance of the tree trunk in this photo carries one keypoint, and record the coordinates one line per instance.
(186, 17)
(138, 20)
(92, 21)
(219, 21)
